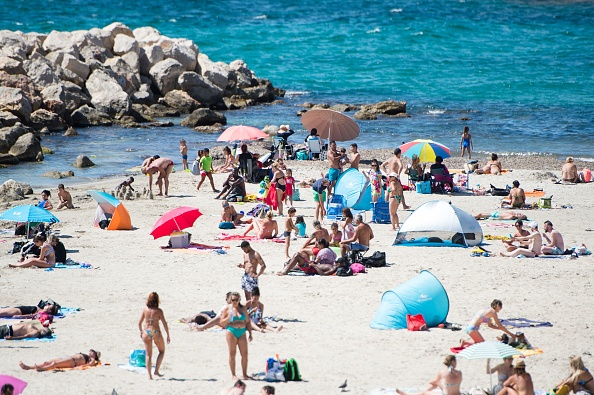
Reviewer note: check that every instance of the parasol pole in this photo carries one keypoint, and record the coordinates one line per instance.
(490, 375)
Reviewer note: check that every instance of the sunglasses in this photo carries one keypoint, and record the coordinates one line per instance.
(235, 300)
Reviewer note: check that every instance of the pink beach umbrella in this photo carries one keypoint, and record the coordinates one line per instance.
(241, 132)
(18, 384)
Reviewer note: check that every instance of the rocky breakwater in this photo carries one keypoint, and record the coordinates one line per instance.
(113, 75)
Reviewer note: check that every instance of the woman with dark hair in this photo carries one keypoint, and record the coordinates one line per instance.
(73, 361)
(229, 161)
(323, 255)
(47, 256)
(447, 380)
(278, 179)
(489, 317)
(151, 316)
(236, 321)
(44, 203)
(348, 229)
(28, 311)
(374, 176)
(492, 167)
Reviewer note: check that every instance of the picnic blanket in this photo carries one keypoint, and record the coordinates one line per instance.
(226, 236)
(524, 323)
(199, 248)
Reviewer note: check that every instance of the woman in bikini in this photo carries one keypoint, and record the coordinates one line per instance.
(47, 256)
(151, 332)
(504, 371)
(229, 161)
(580, 381)
(255, 309)
(394, 198)
(236, 322)
(447, 380)
(336, 235)
(281, 185)
(489, 317)
(266, 228)
(74, 361)
(28, 311)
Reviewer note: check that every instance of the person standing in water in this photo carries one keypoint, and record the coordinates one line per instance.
(466, 142)
(151, 333)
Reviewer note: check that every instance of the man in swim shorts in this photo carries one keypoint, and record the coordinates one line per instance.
(251, 260)
(28, 330)
(555, 245)
(334, 171)
(163, 166)
(360, 240)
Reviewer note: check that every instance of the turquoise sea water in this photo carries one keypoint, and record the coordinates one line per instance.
(523, 71)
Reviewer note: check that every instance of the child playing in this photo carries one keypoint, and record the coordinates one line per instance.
(126, 183)
(183, 150)
(289, 227)
(465, 142)
(264, 187)
(289, 182)
(255, 309)
(336, 235)
(344, 159)
(65, 198)
(300, 225)
(206, 166)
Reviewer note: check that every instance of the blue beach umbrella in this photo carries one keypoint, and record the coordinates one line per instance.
(426, 150)
(27, 213)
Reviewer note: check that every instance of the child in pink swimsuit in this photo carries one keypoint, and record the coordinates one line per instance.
(289, 182)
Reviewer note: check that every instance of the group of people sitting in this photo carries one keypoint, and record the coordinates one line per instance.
(42, 252)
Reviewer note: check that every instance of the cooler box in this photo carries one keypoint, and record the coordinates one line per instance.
(179, 240)
(545, 202)
(381, 213)
(423, 187)
(335, 206)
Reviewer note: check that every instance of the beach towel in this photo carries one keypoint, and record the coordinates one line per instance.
(63, 266)
(529, 352)
(456, 350)
(42, 340)
(83, 367)
(271, 197)
(225, 236)
(524, 323)
(494, 237)
(535, 194)
(498, 224)
(198, 248)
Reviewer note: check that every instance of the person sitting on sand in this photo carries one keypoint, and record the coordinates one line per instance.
(233, 187)
(505, 215)
(326, 269)
(504, 371)
(580, 381)
(318, 233)
(488, 316)
(521, 232)
(516, 198)
(65, 198)
(24, 330)
(520, 383)
(569, 172)
(150, 332)
(28, 311)
(302, 259)
(555, 245)
(492, 167)
(335, 234)
(44, 203)
(162, 166)
(440, 173)
(447, 380)
(71, 362)
(255, 309)
(533, 250)
(47, 256)
(360, 240)
(266, 228)
(229, 214)
(126, 183)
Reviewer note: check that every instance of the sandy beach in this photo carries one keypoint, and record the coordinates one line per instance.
(326, 319)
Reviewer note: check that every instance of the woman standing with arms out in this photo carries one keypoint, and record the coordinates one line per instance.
(374, 176)
(466, 142)
(236, 322)
(281, 185)
(151, 316)
(394, 198)
(489, 317)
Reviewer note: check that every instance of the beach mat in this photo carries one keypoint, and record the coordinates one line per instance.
(62, 266)
(43, 340)
(226, 236)
(535, 194)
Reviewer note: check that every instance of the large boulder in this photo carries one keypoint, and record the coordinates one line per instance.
(165, 73)
(181, 101)
(24, 83)
(44, 118)
(107, 95)
(123, 44)
(12, 190)
(54, 98)
(124, 74)
(74, 97)
(8, 159)
(112, 30)
(204, 117)
(8, 119)
(103, 37)
(58, 174)
(14, 101)
(147, 35)
(60, 41)
(133, 60)
(79, 68)
(243, 74)
(83, 161)
(14, 40)
(27, 148)
(160, 111)
(389, 107)
(41, 72)
(216, 72)
(199, 88)
(11, 65)
(89, 116)
(84, 38)
(182, 50)
(150, 55)
(90, 53)
(261, 93)
(10, 135)
(144, 95)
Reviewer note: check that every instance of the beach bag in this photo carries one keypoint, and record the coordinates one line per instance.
(226, 225)
(195, 169)
(416, 322)
(499, 191)
(296, 195)
(16, 247)
(301, 155)
(378, 259)
(137, 358)
(275, 370)
(45, 319)
(291, 371)
(43, 303)
(357, 268)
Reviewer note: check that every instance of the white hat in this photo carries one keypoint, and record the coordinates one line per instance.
(284, 127)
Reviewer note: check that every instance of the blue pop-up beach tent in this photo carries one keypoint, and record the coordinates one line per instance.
(422, 294)
(355, 189)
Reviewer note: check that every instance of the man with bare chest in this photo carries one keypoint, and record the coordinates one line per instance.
(251, 260)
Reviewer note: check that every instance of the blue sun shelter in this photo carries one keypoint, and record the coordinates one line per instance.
(355, 189)
(422, 294)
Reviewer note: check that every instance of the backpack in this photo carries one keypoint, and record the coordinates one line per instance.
(291, 371)
(378, 259)
(195, 169)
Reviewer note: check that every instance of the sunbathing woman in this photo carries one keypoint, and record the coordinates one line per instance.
(492, 167)
(447, 380)
(28, 311)
(264, 229)
(581, 380)
(47, 256)
(204, 320)
(336, 235)
(489, 317)
(504, 215)
(236, 322)
(73, 361)
(151, 316)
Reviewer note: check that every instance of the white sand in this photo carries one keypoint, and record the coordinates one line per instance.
(326, 319)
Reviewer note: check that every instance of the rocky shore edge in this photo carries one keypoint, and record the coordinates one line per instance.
(112, 75)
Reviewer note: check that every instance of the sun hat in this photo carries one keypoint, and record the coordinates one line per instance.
(520, 365)
(284, 127)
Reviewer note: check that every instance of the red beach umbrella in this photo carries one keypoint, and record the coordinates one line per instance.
(175, 220)
(241, 132)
